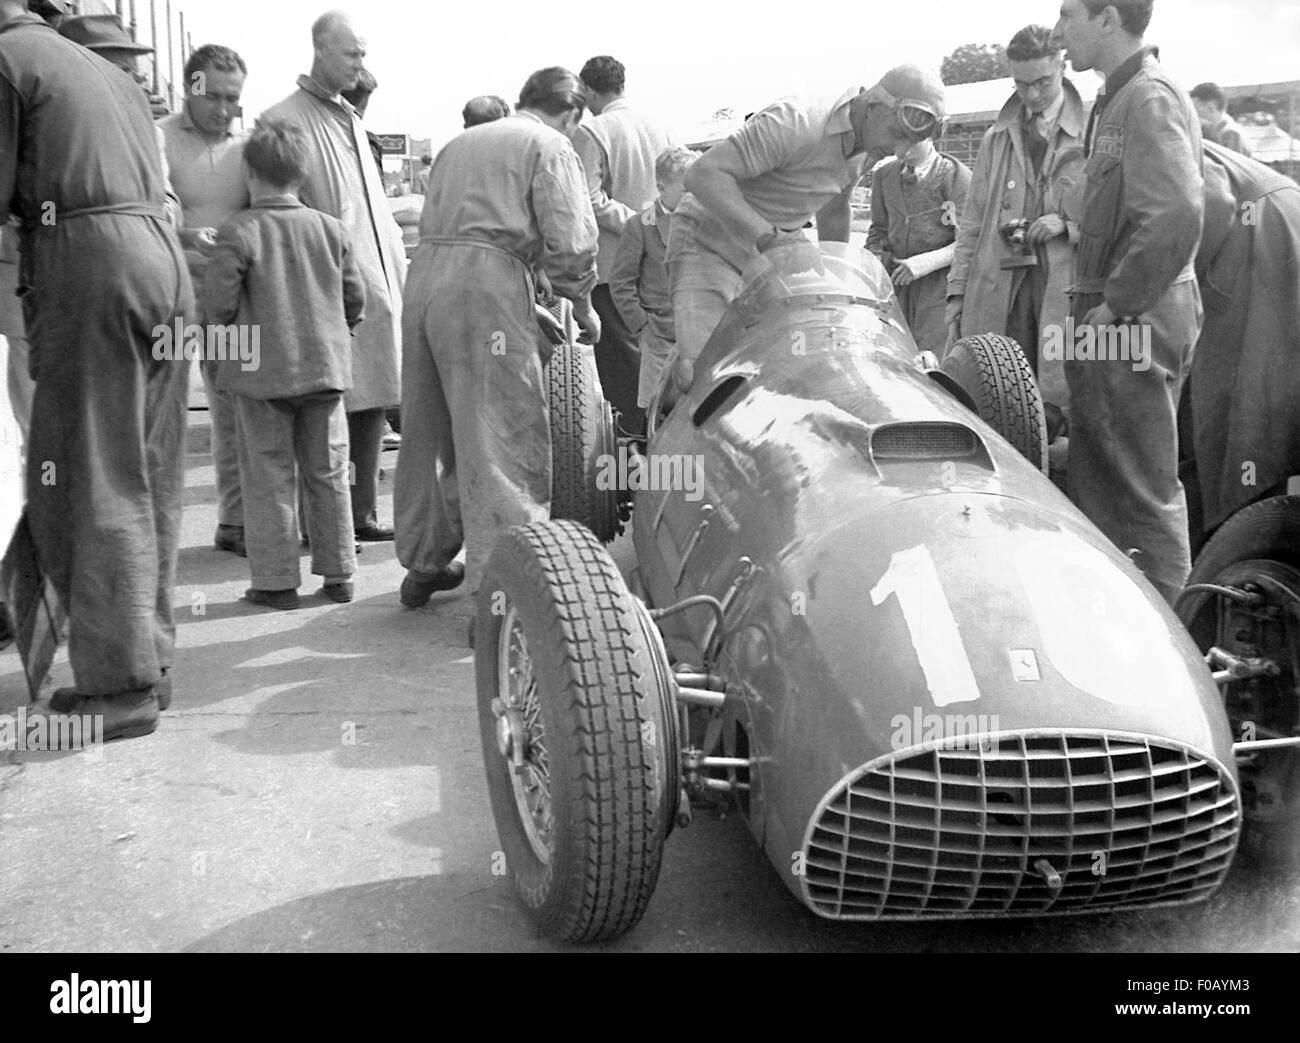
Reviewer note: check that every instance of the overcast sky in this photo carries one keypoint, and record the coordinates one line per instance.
(688, 58)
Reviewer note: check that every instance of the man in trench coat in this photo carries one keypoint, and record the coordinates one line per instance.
(345, 184)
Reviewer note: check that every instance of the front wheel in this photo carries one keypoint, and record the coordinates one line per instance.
(1256, 553)
(576, 737)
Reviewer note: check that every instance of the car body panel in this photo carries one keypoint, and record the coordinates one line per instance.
(892, 570)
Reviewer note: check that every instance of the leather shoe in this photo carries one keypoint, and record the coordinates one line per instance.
(340, 593)
(281, 599)
(231, 538)
(127, 715)
(418, 587)
(66, 700)
(374, 534)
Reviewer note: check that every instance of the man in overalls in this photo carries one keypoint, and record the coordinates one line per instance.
(505, 199)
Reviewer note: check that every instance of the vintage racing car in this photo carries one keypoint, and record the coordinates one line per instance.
(861, 611)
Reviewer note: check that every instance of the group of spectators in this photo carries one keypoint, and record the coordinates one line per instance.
(286, 233)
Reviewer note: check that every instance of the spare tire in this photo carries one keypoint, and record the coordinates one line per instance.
(995, 374)
(582, 442)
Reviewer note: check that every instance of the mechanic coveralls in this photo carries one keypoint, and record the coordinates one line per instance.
(505, 198)
(1139, 230)
(916, 212)
(103, 269)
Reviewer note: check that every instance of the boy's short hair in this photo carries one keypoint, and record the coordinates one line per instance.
(1210, 92)
(672, 164)
(277, 152)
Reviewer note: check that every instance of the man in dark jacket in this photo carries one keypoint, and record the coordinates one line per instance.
(1245, 400)
(1135, 288)
(103, 273)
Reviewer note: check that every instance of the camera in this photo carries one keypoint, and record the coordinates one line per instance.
(1015, 235)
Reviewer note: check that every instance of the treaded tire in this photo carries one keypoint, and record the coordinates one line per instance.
(602, 737)
(996, 375)
(1264, 531)
(582, 432)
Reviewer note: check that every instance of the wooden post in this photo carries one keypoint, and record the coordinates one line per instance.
(153, 39)
(134, 24)
(171, 60)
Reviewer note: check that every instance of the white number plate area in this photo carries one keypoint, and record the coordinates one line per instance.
(1041, 601)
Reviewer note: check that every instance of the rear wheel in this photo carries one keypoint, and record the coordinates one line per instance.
(1257, 552)
(994, 373)
(583, 445)
(576, 735)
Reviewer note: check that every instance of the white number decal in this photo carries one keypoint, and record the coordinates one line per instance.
(914, 580)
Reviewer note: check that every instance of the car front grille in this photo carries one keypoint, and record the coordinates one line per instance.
(1022, 824)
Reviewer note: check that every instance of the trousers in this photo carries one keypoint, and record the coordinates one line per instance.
(307, 434)
(225, 448)
(618, 362)
(1123, 471)
(476, 437)
(366, 442)
(105, 461)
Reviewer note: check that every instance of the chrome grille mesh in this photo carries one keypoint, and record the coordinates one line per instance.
(923, 441)
(977, 831)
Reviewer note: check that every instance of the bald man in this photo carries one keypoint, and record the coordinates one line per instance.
(484, 109)
(345, 184)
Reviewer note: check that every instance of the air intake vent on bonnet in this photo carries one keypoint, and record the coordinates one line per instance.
(924, 441)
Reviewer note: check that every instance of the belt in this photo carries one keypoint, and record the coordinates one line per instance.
(465, 240)
(127, 209)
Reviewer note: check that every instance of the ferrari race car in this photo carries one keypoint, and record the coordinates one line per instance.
(861, 612)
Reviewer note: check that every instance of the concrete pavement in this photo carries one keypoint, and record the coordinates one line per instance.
(318, 785)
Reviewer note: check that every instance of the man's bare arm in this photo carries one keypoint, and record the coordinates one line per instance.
(714, 180)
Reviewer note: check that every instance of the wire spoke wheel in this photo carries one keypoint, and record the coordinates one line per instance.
(576, 738)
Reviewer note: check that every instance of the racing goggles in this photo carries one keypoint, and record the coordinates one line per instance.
(918, 118)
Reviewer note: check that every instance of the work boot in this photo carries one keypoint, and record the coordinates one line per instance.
(231, 538)
(418, 587)
(66, 700)
(127, 715)
(281, 599)
(340, 593)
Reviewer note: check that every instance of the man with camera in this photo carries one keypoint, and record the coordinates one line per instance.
(1015, 254)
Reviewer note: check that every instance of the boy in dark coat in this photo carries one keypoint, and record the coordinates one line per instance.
(285, 274)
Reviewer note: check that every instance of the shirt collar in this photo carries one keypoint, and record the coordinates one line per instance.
(288, 199)
(315, 89)
(27, 18)
(1117, 80)
(617, 103)
(1053, 111)
(529, 116)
